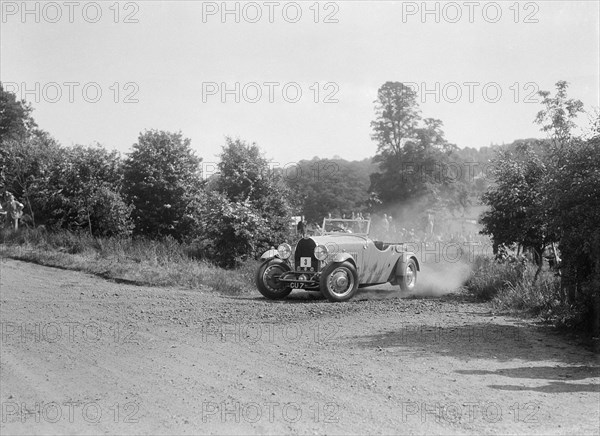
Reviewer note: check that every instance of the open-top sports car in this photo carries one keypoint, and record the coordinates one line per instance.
(336, 263)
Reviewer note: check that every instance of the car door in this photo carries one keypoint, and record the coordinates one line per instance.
(377, 264)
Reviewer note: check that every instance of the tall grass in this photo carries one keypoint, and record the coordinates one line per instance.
(489, 277)
(141, 261)
(510, 286)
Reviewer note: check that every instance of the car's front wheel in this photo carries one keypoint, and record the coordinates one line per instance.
(339, 281)
(267, 279)
(408, 279)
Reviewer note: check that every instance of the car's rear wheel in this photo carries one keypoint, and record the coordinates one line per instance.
(408, 279)
(339, 281)
(267, 279)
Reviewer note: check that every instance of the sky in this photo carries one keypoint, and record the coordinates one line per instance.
(297, 78)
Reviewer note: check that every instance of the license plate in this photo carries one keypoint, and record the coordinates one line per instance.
(305, 262)
(296, 285)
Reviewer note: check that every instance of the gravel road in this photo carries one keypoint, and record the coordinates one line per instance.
(82, 355)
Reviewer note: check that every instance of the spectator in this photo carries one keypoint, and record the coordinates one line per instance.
(392, 225)
(430, 224)
(301, 227)
(385, 226)
(14, 211)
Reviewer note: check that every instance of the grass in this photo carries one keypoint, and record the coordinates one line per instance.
(489, 277)
(139, 261)
(509, 286)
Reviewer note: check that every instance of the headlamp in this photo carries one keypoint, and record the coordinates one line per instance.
(284, 251)
(320, 252)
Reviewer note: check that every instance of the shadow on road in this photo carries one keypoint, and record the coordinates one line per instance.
(481, 340)
(552, 388)
(581, 372)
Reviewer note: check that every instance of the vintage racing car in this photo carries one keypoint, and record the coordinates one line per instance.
(336, 263)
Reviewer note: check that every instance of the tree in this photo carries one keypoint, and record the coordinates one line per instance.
(517, 211)
(558, 115)
(521, 207)
(88, 183)
(244, 173)
(397, 117)
(573, 201)
(16, 122)
(24, 149)
(574, 195)
(74, 188)
(28, 166)
(244, 208)
(232, 231)
(322, 186)
(412, 153)
(245, 176)
(161, 177)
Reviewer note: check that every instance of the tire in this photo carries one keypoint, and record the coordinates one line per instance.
(339, 281)
(408, 279)
(267, 282)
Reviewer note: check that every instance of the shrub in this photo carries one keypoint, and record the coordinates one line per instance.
(231, 230)
(489, 276)
(161, 175)
(510, 286)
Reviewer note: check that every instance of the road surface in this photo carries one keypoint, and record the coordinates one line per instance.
(82, 355)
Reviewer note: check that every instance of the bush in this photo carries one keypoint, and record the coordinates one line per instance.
(575, 193)
(510, 285)
(489, 276)
(539, 297)
(111, 216)
(231, 230)
(161, 175)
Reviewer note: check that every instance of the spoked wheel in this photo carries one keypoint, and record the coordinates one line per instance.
(408, 280)
(339, 281)
(267, 279)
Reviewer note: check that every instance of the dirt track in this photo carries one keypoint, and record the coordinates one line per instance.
(80, 355)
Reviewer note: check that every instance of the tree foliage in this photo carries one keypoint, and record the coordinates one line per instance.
(246, 186)
(232, 231)
(28, 167)
(322, 186)
(67, 187)
(16, 122)
(574, 203)
(519, 202)
(87, 184)
(557, 117)
(161, 176)
(517, 208)
(413, 154)
(552, 193)
(397, 118)
(73, 188)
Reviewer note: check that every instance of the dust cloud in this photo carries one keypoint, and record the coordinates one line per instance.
(436, 279)
(444, 242)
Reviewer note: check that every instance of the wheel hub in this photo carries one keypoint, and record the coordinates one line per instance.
(271, 277)
(341, 281)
